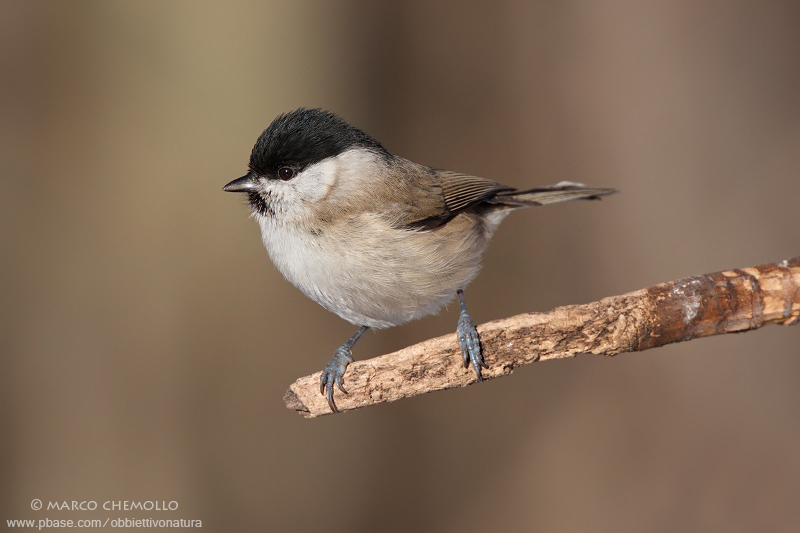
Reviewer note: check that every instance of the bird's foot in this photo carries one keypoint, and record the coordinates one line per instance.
(334, 373)
(470, 343)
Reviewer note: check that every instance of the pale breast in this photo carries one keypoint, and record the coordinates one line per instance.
(372, 274)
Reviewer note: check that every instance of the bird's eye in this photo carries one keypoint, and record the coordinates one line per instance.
(285, 173)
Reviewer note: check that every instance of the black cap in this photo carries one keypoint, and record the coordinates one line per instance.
(303, 137)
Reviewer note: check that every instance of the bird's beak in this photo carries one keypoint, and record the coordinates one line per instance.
(244, 184)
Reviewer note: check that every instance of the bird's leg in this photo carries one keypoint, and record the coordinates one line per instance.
(468, 339)
(334, 370)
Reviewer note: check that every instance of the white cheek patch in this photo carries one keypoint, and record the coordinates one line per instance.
(334, 180)
(316, 180)
(345, 174)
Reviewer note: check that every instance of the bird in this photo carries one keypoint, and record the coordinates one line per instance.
(372, 237)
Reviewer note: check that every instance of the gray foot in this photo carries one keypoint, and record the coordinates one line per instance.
(333, 373)
(468, 340)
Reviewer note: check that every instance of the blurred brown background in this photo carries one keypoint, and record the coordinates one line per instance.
(146, 339)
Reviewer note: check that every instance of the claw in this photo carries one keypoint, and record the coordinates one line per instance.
(339, 384)
(330, 400)
(333, 373)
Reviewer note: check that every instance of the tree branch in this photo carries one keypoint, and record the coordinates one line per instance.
(723, 302)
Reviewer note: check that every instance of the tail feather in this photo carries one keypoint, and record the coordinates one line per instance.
(560, 192)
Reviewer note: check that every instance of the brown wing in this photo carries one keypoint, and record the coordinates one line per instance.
(451, 193)
(462, 191)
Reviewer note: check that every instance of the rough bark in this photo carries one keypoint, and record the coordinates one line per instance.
(730, 301)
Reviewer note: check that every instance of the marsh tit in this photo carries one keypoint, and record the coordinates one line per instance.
(375, 238)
